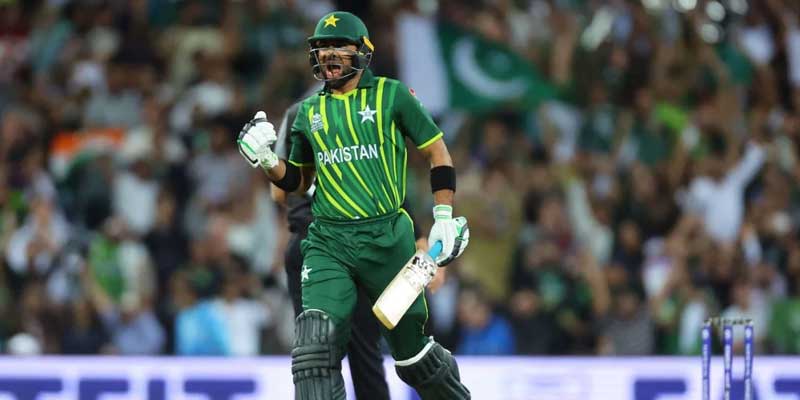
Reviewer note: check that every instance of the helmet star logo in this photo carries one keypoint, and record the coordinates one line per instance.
(367, 114)
(331, 21)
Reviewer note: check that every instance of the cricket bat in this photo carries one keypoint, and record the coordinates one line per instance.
(406, 286)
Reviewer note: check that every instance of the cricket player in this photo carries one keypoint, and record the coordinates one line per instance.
(363, 349)
(351, 137)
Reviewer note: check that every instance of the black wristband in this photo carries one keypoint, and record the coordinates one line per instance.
(291, 179)
(443, 177)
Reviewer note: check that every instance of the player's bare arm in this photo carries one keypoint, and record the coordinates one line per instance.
(278, 195)
(306, 179)
(452, 232)
(438, 156)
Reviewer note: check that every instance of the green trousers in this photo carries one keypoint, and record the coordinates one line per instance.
(341, 257)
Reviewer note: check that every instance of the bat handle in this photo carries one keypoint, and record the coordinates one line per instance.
(435, 250)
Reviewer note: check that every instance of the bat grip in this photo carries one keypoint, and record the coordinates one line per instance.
(435, 250)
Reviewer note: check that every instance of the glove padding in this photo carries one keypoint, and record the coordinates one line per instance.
(255, 140)
(452, 232)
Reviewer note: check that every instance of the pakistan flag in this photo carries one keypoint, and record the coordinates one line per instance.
(451, 68)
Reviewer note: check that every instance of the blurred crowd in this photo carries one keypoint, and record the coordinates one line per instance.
(658, 188)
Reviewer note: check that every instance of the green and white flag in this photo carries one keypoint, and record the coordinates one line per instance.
(451, 68)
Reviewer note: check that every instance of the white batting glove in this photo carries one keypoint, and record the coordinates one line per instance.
(452, 232)
(255, 140)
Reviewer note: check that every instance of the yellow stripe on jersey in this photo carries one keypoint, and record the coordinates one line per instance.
(355, 172)
(363, 98)
(385, 193)
(344, 96)
(299, 164)
(404, 212)
(333, 201)
(326, 174)
(405, 164)
(394, 156)
(379, 109)
(430, 141)
(324, 114)
(333, 183)
(388, 198)
(350, 121)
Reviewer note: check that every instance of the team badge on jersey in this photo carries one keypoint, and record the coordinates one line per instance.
(367, 115)
(316, 123)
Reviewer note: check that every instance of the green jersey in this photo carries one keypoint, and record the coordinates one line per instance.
(356, 142)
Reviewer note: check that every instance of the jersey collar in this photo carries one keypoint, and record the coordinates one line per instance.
(367, 79)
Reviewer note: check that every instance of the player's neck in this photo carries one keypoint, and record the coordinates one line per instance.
(350, 85)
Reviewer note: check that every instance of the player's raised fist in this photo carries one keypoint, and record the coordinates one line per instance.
(263, 128)
(255, 140)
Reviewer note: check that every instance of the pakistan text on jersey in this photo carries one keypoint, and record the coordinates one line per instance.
(347, 154)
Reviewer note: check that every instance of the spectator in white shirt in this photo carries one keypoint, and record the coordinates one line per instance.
(33, 246)
(589, 230)
(135, 196)
(718, 199)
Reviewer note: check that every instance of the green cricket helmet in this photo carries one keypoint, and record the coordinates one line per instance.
(348, 28)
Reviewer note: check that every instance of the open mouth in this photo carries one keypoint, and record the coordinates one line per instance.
(333, 71)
